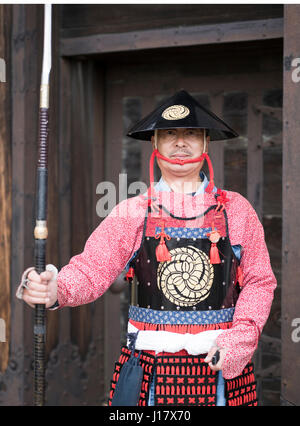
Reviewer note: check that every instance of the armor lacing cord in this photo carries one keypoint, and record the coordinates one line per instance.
(214, 235)
(240, 276)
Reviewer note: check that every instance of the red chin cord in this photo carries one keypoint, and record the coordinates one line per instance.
(205, 156)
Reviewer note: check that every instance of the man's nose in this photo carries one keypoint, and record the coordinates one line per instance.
(180, 141)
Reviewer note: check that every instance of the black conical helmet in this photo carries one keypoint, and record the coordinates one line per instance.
(181, 111)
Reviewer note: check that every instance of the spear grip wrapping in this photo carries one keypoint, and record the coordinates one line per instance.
(40, 234)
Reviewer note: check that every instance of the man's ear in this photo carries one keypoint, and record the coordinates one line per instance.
(153, 142)
(207, 143)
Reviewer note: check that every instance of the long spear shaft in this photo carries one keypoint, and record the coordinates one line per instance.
(41, 231)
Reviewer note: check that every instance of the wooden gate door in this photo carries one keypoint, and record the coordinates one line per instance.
(241, 86)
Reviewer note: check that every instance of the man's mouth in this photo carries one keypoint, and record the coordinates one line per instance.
(180, 155)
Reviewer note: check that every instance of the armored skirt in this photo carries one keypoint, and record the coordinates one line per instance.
(186, 280)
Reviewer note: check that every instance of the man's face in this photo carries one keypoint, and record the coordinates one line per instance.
(180, 143)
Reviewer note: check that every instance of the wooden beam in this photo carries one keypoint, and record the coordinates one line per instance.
(96, 118)
(275, 112)
(262, 29)
(65, 183)
(216, 150)
(5, 191)
(255, 154)
(113, 162)
(290, 389)
(146, 148)
(23, 77)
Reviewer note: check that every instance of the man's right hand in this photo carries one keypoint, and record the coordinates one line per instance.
(41, 289)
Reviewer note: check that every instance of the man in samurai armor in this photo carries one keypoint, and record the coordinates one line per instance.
(197, 262)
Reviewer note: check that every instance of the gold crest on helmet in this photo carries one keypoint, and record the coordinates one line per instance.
(175, 112)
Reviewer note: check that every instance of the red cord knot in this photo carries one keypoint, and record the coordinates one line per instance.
(130, 274)
(221, 198)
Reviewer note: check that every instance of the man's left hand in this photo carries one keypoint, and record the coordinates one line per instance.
(211, 353)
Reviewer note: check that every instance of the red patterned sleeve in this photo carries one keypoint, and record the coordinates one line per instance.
(255, 300)
(106, 253)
